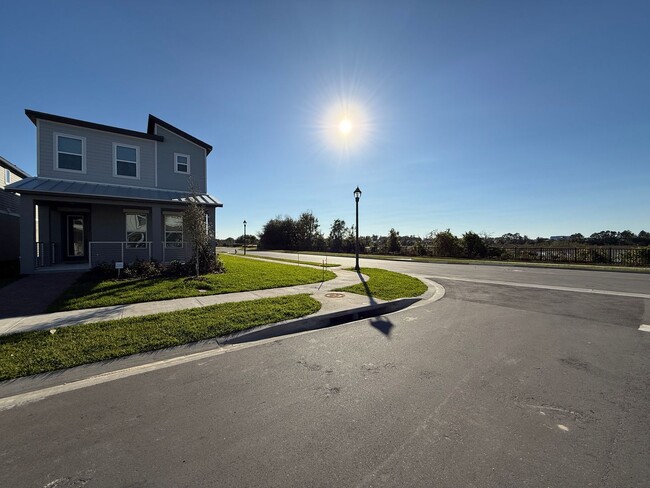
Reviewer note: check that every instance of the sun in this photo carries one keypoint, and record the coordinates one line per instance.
(345, 126)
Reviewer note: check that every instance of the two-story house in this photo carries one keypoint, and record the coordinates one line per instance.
(105, 194)
(9, 211)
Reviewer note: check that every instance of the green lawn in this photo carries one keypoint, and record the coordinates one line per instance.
(484, 262)
(387, 285)
(37, 352)
(241, 275)
(297, 261)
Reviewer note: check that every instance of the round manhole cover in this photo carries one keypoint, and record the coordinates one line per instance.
(334, 295)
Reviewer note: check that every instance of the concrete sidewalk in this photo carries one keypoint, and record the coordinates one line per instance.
(332, 303)
(32, 294)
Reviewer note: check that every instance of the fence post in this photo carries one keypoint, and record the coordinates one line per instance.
(610, 255)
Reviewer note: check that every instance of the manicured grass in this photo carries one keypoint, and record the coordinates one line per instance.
(387, 285)
(36, 352)
(483, 262)
(297, 261)
(241, 275)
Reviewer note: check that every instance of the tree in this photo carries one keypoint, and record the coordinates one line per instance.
(337, 234)
(306, 231)
(201, 237)
(473, 245)
(278, 233)
(446, 244)
(578, 238)
(393, 246)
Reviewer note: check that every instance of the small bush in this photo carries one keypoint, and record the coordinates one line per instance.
(141, 269)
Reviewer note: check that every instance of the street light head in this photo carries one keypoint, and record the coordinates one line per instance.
(357, 193)
(245, 222)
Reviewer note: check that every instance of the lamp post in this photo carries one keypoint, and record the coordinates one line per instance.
(244, 238)
(357, 195)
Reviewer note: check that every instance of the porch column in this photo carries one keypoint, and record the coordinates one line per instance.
(27, 235)
(156, 233)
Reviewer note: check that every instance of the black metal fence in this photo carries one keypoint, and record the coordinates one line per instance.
(619, 256)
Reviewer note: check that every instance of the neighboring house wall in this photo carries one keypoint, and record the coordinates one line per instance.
(9, 216)
(99, 155)
(175, 144)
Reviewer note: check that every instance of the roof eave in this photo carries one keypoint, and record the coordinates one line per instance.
(34, 116)
(9, 165)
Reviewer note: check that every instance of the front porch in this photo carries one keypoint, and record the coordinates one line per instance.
(75, 234)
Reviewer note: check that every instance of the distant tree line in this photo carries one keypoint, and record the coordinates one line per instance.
(305, 234)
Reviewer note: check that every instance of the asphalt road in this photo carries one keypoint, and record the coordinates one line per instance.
(494, 385)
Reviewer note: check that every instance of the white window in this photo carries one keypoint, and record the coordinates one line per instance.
(126, 161)
(173, 230)
(182, 163)
(7, 177)
(136, 230)
(69, 153)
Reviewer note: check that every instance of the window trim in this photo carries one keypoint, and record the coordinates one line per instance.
(188, 172)
(182, 241)
(136, 245)
(56, 153)
(137, 161)
(7, 176)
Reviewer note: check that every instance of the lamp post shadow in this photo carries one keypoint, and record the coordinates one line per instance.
(382, 324)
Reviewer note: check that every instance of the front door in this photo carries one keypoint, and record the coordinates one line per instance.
(75, 237)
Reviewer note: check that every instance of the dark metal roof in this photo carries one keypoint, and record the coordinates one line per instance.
(33, 116)
(13, 167)
(153, 120)
(49, 186)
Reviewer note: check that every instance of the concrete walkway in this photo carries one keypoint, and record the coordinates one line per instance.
(331, 302)
(32, 294)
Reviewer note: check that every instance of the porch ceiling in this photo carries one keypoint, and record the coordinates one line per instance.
(49, 186)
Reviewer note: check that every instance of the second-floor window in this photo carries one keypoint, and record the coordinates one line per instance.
(69, 153)
(7, 177)
(182, 163)
(126, 161)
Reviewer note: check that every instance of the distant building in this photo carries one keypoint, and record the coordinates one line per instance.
(560, 238)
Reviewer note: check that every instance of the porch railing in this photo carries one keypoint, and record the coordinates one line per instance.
(114, 251)
(183, 253)
(128, 252)
(44, 253)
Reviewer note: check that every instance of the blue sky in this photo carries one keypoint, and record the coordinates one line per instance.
(529, 117)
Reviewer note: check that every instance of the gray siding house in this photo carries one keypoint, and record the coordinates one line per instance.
(105, 194)
(9, 211)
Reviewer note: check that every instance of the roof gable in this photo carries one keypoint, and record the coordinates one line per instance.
(151, 129)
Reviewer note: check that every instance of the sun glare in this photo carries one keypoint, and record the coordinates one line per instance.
(345, 126)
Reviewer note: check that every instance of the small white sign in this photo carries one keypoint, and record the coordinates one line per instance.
(119, 265)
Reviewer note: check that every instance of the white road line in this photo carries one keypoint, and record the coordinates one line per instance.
(546, 287)
(644, 328)
(34, 396)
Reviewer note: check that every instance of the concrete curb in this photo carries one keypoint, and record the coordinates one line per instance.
(434, 293)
